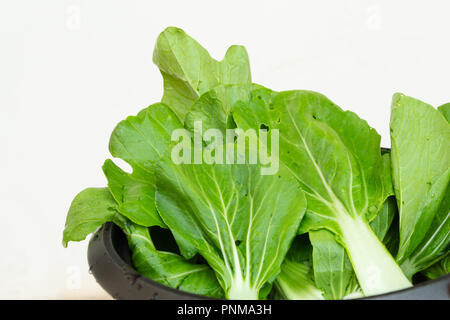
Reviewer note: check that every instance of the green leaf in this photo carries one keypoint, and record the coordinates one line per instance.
(93, 207)
(213, 108)
(439, 269)
(436, 242)
(169, 268)
(296, 279)
(240, 221)
(392, 238)
(420, 138)
(89, 210)
(294, 282)
(336, 158)
(135, 197)
(300, 250)
(311, 128)
(189, 71)
(258, 110)
(445, 111)
(333, 271)
(387, 174)
(140, 141)
(383, 221)
(328, 263)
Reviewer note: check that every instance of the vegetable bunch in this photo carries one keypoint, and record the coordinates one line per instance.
(340, 217)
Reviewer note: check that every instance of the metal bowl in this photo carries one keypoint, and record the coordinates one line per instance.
(109, 260)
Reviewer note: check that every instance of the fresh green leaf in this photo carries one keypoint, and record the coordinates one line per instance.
(213, 108)
(333, 272)
(135, 197)
(296, 279)
(189, 71)
(436, 242)
(168, 268)
(420, 138)
(336, 158)
(90, 209)
(301, 250)
(387, 174)
(392, 238)
(445, 111)
(383, 221)
(294, 282)
(93, 207)
(140, 141)
(240, 221)
(439, 269)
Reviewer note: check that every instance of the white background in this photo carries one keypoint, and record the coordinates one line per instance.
(70, 70)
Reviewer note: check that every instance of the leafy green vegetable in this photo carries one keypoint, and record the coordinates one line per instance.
(336, 158)
(420, 138)
(325, 225)
(381, 224)
(140, 141)
(92, 207)
(240, 221)
(294, 282)
(169, 268)
(439, 269)
(213, 108)
(296, 278)
(333, 271)
(445, 110)
(301, 250)
(189, 71)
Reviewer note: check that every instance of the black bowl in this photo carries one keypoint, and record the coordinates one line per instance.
(109, 260)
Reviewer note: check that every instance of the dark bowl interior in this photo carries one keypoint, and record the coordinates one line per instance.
(109, 259)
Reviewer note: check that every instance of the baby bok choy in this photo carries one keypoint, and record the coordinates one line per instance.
(336, 158)
(420, 137)
(323, 214)
(240, 221)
